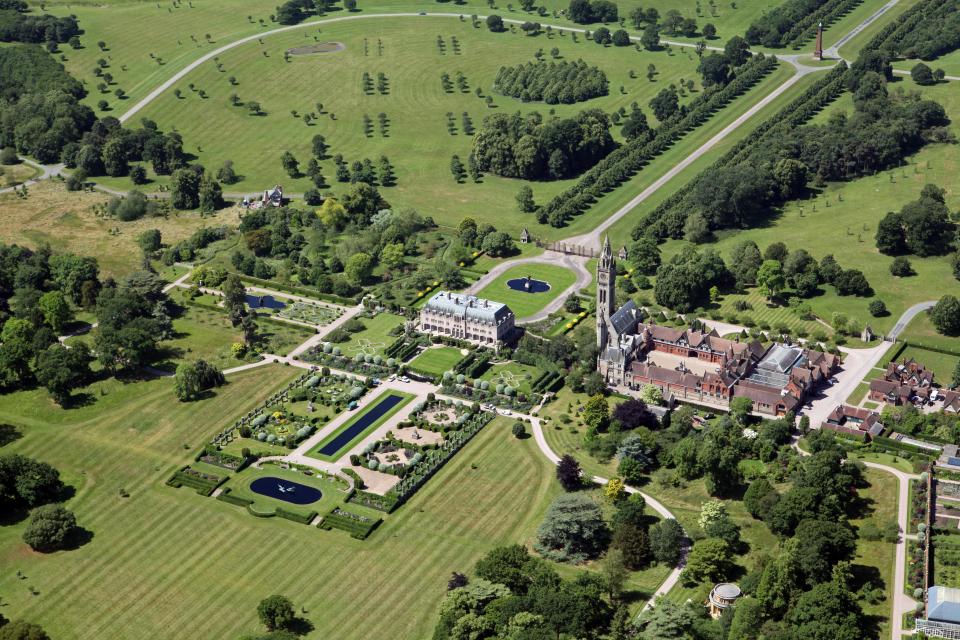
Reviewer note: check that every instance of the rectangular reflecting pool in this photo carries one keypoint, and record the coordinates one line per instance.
(370, 416)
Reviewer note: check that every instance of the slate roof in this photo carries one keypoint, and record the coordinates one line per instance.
(472, 307)
(625, 318)
(943, 604)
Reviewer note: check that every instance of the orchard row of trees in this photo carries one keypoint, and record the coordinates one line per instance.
(675, 121)
(777, 162)
(557, 82)
(927, 30)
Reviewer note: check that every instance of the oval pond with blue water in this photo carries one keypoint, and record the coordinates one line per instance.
(292, 492)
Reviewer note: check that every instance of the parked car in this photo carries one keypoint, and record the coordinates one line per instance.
(506, 412)
(392, 377)
(404, 379)
(375, 382)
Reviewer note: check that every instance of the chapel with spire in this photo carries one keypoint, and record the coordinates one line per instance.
(615, 329)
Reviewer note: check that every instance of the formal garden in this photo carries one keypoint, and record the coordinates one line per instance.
(341, 440)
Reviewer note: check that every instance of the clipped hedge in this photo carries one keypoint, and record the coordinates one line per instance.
(202, 483)
(359, 527)
(237, 501)
(298, 290)
(387, 503)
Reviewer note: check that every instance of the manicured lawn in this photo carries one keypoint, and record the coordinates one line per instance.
(167, 563)
(523, 303)
(374, 338)
(511, 374)
(370, 417)
(437, 360)
(202, 334)
(922, 333)
(859, 393)
(207, 334)
(874, 561)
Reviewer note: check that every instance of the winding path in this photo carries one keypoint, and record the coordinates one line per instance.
(654, 504)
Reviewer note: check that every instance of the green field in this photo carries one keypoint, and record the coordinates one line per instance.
(148, 576)
(874, 560)
(842, 218)
(437, 360)
(526, 304)
(922, 333)
(417, 141)
(374, 338)
(370, 404)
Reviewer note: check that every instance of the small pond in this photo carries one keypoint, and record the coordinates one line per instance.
(528, 285)
(285, 490)
(264, 302)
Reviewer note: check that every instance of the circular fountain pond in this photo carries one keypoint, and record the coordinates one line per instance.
(528, 285)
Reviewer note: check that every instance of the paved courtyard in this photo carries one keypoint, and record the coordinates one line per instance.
(670, 361)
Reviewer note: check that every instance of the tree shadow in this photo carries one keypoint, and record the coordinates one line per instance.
(300, 626)
(9, 434)
(78, 538)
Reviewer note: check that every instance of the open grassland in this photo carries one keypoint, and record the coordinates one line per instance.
(12, 175)
(922, 333)
(437, 360)
(67, 221)
(151, 579)
(141, 59)
(874, 560)
(842, 219)
(522, 303)
(416, 137)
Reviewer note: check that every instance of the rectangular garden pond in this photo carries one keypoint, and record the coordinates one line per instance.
(352, 431)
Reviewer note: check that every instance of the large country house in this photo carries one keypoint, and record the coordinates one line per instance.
(696, 366)
(469, 318)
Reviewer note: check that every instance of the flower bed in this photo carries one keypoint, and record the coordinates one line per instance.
(310, 313)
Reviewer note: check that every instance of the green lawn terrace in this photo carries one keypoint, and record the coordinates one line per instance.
(522, 302)
(415, 138)
(291, 414)
(369, 350)
(437, 360)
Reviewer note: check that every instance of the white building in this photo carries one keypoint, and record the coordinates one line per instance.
(466, 317)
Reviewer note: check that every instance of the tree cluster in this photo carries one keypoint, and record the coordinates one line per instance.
(20, 26)
(921, 228)
(561, 82)
(518, 146)
(590, 11)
